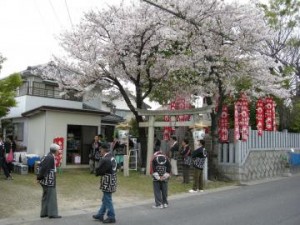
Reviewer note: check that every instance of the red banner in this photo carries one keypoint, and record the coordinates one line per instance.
(237, 134)
(241, 118)
(224, 125)
(260, 116)
(59, 156)
(269, 114)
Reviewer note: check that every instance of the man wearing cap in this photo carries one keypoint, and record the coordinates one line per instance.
(108, 184)
(47, 178)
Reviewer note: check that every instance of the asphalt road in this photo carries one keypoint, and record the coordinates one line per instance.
(275, 202)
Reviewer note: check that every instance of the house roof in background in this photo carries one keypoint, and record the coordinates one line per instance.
(115, 119)
(62, 109)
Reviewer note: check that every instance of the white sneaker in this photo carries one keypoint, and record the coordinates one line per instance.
(201, 190)
(166, 205)
(193, 191)
(157, 207)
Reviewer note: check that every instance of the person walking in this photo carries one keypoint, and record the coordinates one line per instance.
(185, 152)
(198, 156)
(3, 163)
(108, 184)
(47, 178)
(9, 145)
(94, 153)
(161, 169)
(174, 155)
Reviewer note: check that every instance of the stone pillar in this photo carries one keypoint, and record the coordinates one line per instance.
(150, 143)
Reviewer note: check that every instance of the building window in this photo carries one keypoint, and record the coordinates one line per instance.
(19, 131)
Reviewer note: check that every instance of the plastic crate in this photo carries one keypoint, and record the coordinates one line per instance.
(22, 169)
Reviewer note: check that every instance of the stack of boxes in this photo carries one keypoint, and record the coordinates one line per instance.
(22, 164)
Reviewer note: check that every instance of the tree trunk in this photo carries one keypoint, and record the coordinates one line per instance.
(143, 141)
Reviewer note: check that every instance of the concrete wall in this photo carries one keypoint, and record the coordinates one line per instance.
(259, 164)
(36, 128)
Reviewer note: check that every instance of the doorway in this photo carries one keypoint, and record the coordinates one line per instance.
(79, 139)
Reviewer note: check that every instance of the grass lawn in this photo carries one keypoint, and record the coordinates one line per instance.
(78, 189)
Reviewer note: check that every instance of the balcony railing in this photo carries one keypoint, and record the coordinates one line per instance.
(46, 92)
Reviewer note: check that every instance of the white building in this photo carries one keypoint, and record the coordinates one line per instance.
(43, 114)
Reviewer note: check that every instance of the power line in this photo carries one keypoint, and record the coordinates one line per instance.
(68, 13)
(55, 14)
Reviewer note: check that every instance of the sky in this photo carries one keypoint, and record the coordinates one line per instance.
(29, 29)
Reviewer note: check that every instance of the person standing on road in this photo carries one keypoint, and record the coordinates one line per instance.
(198, 156)
(92, 156)
(185, 152)
(47, 178)
(173, 155)
(108, 184)
(161, 169)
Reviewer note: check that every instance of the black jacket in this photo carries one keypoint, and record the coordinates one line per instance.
(107, 170)
(174, 150)
(199, 152)
(46, 171)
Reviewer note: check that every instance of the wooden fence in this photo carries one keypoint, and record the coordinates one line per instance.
(237, 152)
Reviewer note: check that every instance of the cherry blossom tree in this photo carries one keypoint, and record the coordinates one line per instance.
(283, 16)
(225, 51)
(121, 50)
(211, 46)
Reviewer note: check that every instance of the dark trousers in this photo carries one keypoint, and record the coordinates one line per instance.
(4, 167)
(160, 189)
(186, 174)
(10, 167)
(49, 202)
(198, 179)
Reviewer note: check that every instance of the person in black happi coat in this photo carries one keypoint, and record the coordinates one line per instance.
(47, 178)
(161, 168)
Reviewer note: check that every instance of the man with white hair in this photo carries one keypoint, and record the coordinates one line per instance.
(47, 178)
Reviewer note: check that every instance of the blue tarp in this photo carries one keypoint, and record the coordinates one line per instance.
(295, 159)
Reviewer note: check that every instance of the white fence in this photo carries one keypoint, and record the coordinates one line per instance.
(237, 152)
